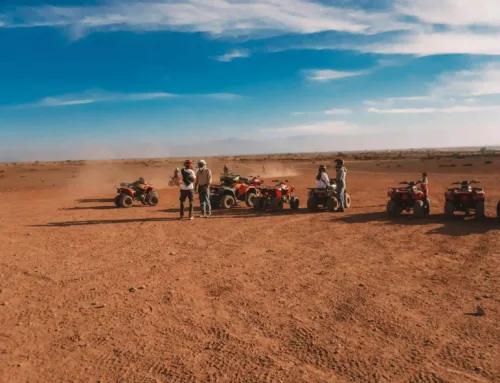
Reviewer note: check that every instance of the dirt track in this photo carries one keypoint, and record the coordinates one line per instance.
(243, 297)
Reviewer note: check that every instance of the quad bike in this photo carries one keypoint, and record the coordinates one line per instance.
(325, 197)
(464, 198)
(274, 197)
(128, 193)
(412, 196)
(234, 189)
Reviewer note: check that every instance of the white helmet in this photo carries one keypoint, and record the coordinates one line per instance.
(202, 163)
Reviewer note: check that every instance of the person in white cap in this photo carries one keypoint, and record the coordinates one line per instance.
(203, 182)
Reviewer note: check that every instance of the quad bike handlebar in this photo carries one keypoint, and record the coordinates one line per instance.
(466, 182)
(278, 181)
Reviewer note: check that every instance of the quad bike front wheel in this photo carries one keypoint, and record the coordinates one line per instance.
(392, 209)
(449, 210)
(250, 200)
(126, 201)
(227, 201)
(294, 203)
(427, 206)
(118, 200)
(258, 203)
(312, 203)
(277, 204)
(480, 214)
(153, 199)
(347, 200)
(418, 209)
(332, 204)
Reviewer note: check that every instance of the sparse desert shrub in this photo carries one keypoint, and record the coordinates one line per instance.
(488, 162)
(447, 166)
(467, 165)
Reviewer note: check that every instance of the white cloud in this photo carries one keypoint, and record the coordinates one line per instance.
(435, 43)
(323, 127)
(230, 56)
(298, 113)
(96, 96)
(452, 12)
(338, 111)
(328, 75)
(453, 109)
(217, 17)
(480, 81)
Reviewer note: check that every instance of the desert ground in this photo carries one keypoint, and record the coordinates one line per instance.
(92, 293)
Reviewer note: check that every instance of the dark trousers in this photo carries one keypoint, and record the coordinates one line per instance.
(189, 194)
(204, 194)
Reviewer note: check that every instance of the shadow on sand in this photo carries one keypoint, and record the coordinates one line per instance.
(459, 226)
(104, 222)
(96, 200)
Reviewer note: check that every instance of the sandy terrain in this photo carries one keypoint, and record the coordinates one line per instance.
(244, 297)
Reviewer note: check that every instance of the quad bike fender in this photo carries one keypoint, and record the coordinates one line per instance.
(126, 191)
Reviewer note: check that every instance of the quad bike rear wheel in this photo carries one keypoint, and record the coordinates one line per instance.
(250, 200)
(392, 209)
(294, 203)
(480, 214)
(347, 200)
(312, 203)
(449, 210)
(418, 209)
(277, 204)
(126, 201)
(118, 200)
(227, 201)
(332, 203)
(258, 203)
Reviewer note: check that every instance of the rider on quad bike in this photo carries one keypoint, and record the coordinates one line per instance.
(136, 186)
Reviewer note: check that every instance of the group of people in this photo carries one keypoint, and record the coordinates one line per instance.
(189, 182)
(323, 181)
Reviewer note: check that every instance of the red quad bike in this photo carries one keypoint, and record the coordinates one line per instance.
(411, 197)
(127, 194)
(272, 198)
(464, 198)
(325, 198)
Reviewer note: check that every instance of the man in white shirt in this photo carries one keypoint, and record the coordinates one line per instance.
(322, 180)
(187, 187)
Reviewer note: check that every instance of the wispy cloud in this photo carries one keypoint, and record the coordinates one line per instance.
(453, 109)
(91, 97)
(481, 80)
(235, 54)
(329, 75)
(338, 111)
(219, 17)
(322, 127)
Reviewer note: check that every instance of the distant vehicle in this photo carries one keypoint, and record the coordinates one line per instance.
(273, 198)
(411, 197)
(325, 198)
(464, 198)
(128, 193)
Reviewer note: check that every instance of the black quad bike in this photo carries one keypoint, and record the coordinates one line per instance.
(234, 189)
(464, 198)
(273, 198)
(325, 198)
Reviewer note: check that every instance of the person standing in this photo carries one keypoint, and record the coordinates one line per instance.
(341, 183)
(187, 188)
(203, 182)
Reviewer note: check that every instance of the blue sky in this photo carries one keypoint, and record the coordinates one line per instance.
(92, 79)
